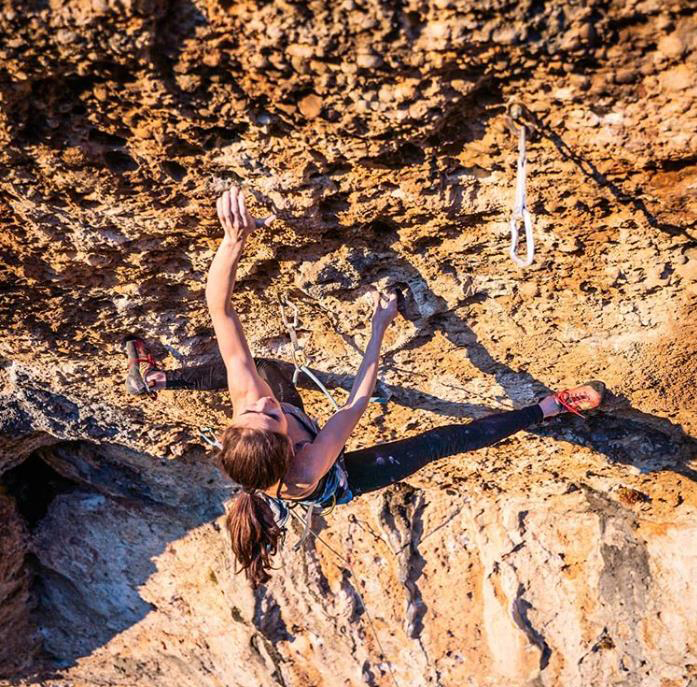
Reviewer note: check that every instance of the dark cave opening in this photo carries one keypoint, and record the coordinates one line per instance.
(34, 484)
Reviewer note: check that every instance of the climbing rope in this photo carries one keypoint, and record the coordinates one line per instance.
(520, 210)
(349, 567)
(208, 435)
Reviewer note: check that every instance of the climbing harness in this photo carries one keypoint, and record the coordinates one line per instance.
(520, 210)
(283, 509)
(349, 567)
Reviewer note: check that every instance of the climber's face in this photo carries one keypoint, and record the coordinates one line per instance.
(265, 413)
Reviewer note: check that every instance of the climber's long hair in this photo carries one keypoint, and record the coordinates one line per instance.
(255, 459)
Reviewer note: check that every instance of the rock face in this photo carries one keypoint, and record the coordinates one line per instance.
(377, 132)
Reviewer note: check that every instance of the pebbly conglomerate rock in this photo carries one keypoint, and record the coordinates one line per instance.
(377, 132)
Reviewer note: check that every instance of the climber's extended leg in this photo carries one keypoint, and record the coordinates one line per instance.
(379, 466)
(147, 377)
(213, 377)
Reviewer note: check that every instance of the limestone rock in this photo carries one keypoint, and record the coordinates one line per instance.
(20, 643)
(310, 106)
(377, 133)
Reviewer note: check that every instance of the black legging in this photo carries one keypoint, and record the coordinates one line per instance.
(378, 466)
(213, 377)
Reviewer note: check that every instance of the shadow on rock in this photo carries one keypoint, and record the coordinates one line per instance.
(99, 516)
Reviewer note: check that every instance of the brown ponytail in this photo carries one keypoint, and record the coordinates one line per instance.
(255, 459)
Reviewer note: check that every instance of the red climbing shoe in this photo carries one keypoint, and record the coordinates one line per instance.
(585, 397)
(140, 364)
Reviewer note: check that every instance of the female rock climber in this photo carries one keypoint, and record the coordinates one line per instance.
(273, 449)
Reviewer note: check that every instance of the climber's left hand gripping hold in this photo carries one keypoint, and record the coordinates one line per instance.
(236, 220)
(243, 380)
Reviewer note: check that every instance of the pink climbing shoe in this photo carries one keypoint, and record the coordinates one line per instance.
(140, 364)
(584, 397)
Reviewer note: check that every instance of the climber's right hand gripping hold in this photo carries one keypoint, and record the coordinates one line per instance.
(385, 309)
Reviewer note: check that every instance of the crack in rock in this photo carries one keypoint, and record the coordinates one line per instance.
(520, 610)
(401, 518)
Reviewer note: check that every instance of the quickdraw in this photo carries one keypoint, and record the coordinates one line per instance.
(520, 210)
(300, 358)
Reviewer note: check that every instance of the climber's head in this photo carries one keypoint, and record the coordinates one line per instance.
(264, 414)
(256, 458)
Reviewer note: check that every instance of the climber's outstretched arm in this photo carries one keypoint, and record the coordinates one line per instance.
(315, 459)
(243, 380)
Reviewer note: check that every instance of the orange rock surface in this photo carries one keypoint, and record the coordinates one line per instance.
(378, 133)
